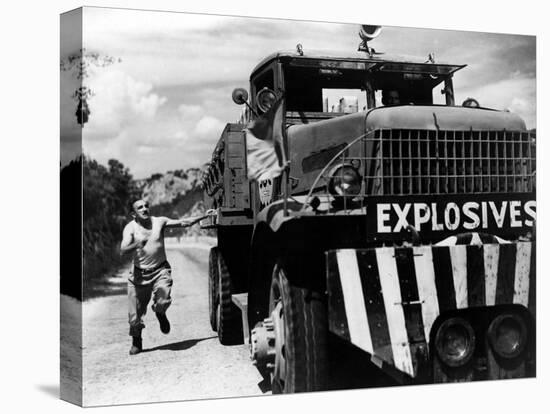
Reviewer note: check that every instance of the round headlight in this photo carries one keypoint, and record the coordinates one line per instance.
(455, 342)
(508, 335)
(345, 181)
(265, 99)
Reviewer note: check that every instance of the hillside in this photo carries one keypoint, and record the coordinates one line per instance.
(161, 189)
(175, 194)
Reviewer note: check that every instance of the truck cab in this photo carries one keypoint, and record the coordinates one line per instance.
(320, 85)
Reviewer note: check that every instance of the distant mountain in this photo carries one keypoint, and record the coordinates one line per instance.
(175, 194)
(166, 188)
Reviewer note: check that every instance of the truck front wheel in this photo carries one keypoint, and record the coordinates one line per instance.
(300, 327)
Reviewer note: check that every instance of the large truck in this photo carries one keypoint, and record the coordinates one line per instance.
(402, 228)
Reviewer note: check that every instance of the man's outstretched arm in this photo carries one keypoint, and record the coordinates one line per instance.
(186, 221)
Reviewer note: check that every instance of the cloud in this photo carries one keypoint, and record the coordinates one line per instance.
(131, 121)
(518, 95)
(119, 101)
(190, 111)
(140, 99)
(202, 126)
(183, 49)
(208, 127)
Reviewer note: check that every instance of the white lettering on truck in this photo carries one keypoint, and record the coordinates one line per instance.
(401, 216)
(452, 225)
(529, 209)
(467, 209)
(395, 217)
(383, 215)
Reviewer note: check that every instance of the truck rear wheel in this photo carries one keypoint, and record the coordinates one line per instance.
(300, 327)
(213, 277)
(228, 315)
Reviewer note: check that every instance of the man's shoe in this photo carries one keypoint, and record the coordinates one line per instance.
(136, 345)
(164, 323)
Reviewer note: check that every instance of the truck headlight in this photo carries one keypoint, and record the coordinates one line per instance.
(508, 335)
(345, 180)
(455, 342)
(265, 99)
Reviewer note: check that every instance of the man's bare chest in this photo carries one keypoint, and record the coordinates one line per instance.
(154, 233)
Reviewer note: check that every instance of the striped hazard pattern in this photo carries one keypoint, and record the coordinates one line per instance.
(385, 300)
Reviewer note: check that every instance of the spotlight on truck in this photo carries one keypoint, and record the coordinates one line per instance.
(345, 180)
(455, 342)
(508, 335)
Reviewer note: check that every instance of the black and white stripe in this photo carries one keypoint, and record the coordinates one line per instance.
(385, 300)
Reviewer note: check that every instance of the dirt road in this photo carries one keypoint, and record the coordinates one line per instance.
(189, 363)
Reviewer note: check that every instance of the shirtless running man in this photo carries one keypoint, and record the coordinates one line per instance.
(152, 275)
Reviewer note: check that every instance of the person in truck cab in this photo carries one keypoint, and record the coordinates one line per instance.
(390, 97)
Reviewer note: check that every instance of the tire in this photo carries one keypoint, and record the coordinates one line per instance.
(228, 315)
(305, 350)
(213, 287)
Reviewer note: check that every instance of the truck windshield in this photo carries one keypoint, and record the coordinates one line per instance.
(342, 90)
(344, 100)
(314, 89)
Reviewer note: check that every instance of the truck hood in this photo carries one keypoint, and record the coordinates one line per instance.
(444, 118)
(312, 146)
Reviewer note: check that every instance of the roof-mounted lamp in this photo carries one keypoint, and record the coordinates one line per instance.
(367, 33)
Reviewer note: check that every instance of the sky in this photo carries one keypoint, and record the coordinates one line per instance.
(165, 100)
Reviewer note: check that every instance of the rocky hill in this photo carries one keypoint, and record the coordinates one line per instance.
(175, 194)
(165, 188)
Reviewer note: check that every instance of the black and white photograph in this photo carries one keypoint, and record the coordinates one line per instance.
(253, 206)
(274, 206)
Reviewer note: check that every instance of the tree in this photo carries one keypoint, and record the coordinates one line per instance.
(82, 62)
(107, 194)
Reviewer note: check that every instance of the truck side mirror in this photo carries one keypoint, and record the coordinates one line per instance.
(240, 96)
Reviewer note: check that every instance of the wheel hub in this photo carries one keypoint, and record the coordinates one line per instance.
(263, 346)
(268, 344)
(279, 370)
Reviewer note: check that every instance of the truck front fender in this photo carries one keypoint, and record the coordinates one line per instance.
(277, 237)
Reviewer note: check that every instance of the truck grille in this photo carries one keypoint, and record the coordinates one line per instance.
(448, 162)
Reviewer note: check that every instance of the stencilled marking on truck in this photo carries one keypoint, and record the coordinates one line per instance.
(521, 278)
(389, 280)
(427, 293)
(490, 259)
(265, 191)
(451, 216)
(458, 260)
(356, 312)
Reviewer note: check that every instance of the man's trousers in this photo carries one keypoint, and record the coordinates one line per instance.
(140, 289)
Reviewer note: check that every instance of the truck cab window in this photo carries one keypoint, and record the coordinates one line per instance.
(325, 90)
(264, 80)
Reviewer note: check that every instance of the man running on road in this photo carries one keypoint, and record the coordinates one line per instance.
(144, 236)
